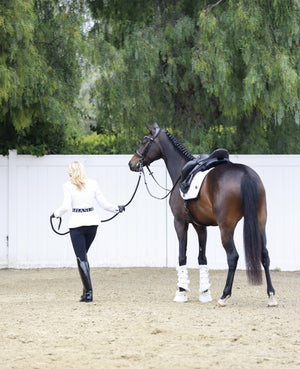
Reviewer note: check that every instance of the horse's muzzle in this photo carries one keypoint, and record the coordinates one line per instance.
(135, 165)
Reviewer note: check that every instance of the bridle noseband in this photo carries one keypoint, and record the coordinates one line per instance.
(146, 149)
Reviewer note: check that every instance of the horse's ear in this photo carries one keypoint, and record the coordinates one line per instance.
(156, 125)
(150, 129)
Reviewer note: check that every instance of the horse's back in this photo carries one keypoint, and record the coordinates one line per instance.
(221, 193)
(230, 175)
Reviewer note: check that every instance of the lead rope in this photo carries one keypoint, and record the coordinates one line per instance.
(136, 187)
(102, 221)
(54, 230)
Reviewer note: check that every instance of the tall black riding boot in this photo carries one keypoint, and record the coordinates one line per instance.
(84, 271)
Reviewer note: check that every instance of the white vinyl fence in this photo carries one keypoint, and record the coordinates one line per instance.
(31, 188)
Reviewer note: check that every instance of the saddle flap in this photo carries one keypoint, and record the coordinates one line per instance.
(193, 190)
(201, 164)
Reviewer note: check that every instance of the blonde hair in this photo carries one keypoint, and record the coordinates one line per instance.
(77, 174)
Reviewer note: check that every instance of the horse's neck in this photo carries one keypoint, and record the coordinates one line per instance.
(174, 162)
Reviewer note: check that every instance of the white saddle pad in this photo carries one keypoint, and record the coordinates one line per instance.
(195, 186)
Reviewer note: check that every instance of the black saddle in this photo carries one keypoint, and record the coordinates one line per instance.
(201, 164)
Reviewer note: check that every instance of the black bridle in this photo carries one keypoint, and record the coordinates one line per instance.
(143, 163)
(147, 147)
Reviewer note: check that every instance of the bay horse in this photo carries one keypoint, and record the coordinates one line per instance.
(229, 192)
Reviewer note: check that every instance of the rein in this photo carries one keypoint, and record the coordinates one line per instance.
(102, 221)
(146, 184)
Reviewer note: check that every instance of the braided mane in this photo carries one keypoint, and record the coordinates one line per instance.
(179, 146)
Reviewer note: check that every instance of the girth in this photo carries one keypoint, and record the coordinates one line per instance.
(189, 214)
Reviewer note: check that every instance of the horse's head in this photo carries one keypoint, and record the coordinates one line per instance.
(148, 151)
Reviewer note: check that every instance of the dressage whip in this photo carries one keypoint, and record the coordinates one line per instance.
(102, 221)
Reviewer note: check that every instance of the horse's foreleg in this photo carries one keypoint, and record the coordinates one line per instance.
(204, 292)
(266, 264)
(202, 236)
(232, 259)
(182, 271)
(181, 231)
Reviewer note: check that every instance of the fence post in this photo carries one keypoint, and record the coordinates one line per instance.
(12, 214)
(4, 209)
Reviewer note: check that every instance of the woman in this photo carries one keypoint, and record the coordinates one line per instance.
(80, 194)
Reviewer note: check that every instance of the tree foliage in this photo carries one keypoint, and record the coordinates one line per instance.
(246, 56)
(219, 76)
(40, 74)
(216, 73)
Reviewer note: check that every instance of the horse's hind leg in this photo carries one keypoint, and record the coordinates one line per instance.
(266, 264)
(232, 259)
(204, 292)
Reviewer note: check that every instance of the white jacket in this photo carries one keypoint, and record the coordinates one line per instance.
(84, 199)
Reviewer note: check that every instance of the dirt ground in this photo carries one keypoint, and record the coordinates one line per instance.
(134, 323)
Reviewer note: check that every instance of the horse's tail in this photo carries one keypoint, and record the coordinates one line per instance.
(252, 239)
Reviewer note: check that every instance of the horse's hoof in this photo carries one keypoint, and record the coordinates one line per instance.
(205, 296)
(223, 302)
(272, 300)
(181, 296)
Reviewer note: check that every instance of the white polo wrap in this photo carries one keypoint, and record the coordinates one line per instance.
(204, 278)
(183, 277)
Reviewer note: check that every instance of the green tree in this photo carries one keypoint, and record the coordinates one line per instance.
(220, 74)
(247, 57)
(40, 74)
(223, 73)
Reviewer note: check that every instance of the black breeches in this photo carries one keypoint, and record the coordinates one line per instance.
(82, 238)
